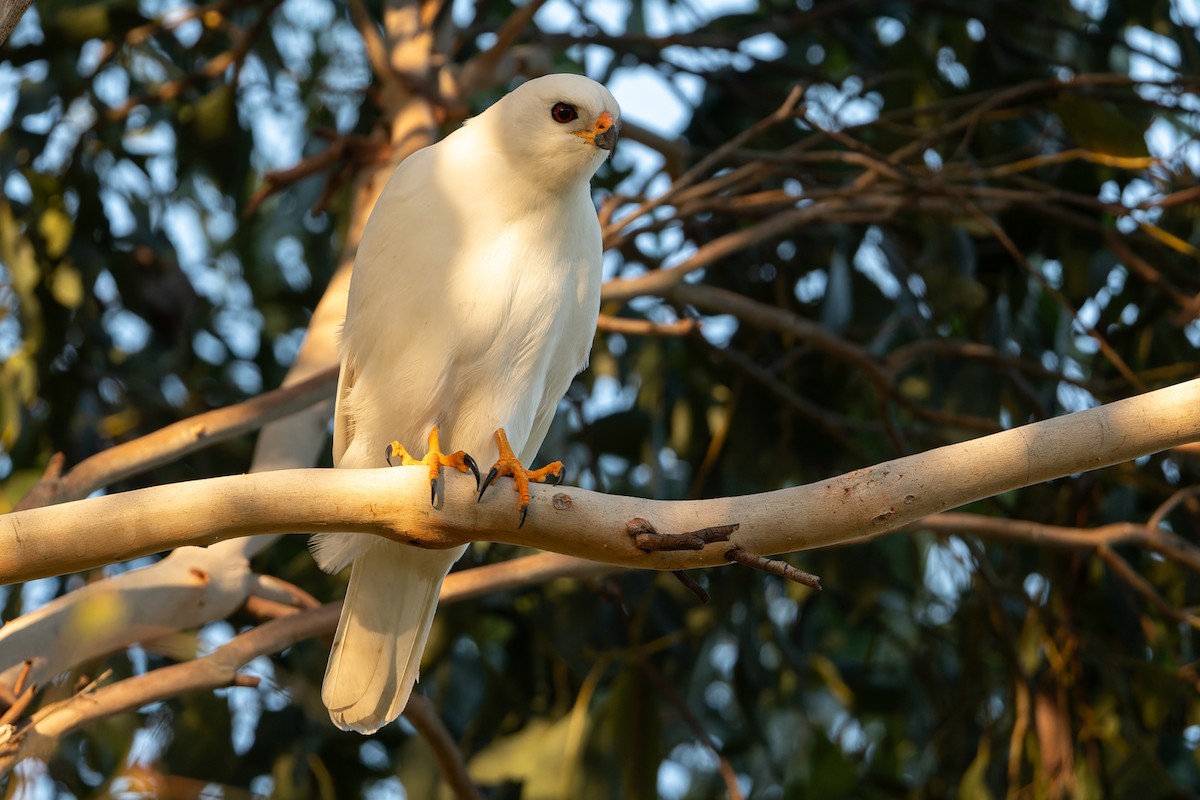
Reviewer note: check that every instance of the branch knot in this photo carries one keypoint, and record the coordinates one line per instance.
(647, 537)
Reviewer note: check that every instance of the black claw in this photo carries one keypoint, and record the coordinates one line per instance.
(491, 476)
(524, 511)
(433, 491)
(387, 455)
(470, 462)
(558, 479)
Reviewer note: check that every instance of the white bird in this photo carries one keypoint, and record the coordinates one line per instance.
(473, 303)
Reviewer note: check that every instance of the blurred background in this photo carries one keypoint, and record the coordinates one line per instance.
(967, 217)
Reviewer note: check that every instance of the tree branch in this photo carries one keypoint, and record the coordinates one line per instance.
(1147, 535)
(480, 71)
(420, 713)
(220, 668)
(10, 15)
(394, 502)
(177, 440)
(645, 327)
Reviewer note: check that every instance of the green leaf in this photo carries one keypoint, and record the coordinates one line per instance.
(973, 785)
(533, 756)
(55, 228)
(66, 285)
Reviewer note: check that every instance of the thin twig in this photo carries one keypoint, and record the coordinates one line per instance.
(774, 566)
(645, 327)
(480, 71)
(1125, 572)
(14, 712)
(835, 427)
(214, 68)
(786, 111)
(421, 714)
(660, 282)
(1153, 537)
(1178, 498)
(728, 774)
(281, 591)
(690, 583)
(343, 151)
(1015, 253)
(763, 315)
(19, 684)
(263, 609)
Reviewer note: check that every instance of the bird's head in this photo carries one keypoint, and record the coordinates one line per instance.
(561, 126)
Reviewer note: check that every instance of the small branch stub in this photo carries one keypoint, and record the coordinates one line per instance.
(774, 566)
(17, 709)
(10, 696)
(647, 538)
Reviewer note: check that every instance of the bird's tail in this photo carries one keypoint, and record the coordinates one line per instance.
(385, 623)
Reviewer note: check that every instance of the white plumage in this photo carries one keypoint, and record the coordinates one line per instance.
(474, 301)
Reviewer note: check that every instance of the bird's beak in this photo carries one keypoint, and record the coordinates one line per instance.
(603, 135)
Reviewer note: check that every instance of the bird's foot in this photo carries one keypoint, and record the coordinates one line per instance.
(434, 459)
(509, 464)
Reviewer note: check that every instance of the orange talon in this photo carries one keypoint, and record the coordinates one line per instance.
(508, 464)
(435, 460)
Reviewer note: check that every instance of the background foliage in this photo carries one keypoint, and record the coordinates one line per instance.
(986, 215)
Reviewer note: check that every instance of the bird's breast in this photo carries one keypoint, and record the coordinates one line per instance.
(474, 329)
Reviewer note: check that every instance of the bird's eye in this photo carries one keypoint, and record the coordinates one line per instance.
(562, 113)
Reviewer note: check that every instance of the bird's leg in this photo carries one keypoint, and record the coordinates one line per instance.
(508, 464)
(434, 459)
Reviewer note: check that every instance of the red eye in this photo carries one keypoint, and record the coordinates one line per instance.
(562, 113)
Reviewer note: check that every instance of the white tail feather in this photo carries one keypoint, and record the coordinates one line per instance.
(333, 552)
(381, 635)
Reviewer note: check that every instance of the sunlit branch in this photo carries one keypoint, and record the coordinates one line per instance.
(644, 327)
(393, 502)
